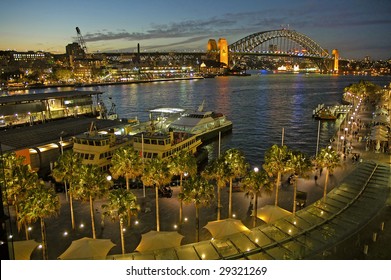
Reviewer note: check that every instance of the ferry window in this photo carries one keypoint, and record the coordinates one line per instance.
(92, 156)
(147, 141)
(153, 141)
(100, 156)
(161, 142)
(154, 155)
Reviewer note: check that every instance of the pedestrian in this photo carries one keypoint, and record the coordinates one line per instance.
(316, 179)
(320, 172)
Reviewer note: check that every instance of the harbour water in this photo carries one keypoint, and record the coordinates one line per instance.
(261, 106)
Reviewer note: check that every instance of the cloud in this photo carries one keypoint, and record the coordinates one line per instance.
(180, 29)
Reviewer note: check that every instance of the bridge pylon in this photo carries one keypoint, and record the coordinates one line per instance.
(335, 54)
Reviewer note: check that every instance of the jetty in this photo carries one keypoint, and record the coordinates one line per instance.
(330, 112)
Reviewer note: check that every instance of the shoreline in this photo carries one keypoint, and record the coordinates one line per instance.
(77, 85)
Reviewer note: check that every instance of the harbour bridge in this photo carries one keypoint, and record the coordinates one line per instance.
(283, 43)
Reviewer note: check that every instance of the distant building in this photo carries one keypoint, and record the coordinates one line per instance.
(74, 50)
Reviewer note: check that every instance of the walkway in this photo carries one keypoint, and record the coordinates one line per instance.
(311, 231)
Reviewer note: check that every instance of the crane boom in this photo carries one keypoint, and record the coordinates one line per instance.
(81, 40)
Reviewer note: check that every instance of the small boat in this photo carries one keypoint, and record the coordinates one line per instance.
(325, 114)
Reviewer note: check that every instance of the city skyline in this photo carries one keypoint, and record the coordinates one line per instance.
(356, 28)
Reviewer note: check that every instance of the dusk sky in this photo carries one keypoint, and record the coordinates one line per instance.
(357, 28)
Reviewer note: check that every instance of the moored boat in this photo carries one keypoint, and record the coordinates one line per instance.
(98, 148)
(206, 125)
(164, 145)
(325, 114)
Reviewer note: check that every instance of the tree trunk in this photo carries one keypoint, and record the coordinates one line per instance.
(218, 203)
(121, 229)
(26, 230)
(197, 223)
(180, 201)
(71, 208)
(157, 208)
(277, 187)
(92, 217)
(255, 209)
(326, 181)
(127, 182)
(230, 199)
(43, 236)
(294, 195)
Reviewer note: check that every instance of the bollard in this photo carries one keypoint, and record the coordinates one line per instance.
(374, 236)
(382, 226)
(365, 249)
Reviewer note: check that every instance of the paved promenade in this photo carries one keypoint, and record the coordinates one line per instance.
(60, 234)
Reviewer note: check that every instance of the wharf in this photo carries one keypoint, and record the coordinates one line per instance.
(334, 110)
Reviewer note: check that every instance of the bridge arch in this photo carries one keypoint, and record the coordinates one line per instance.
(249, 43)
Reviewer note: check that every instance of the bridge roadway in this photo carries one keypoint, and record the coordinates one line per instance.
(313, 230)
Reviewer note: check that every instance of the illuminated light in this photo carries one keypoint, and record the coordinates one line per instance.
(81, 225)
(321, 212)
(124, 229)
(185, 219)
(40, 246)
(248, 250)
(290, 231)
(294, 222)
(10, 236)
(65, 233)
(233, 215)
(29, 228)
(136, 222)
(212, 239)
(175, 226)
(256, 240)
(203, 256)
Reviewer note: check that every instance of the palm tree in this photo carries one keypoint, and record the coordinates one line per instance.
(66, 170)
(300, 165)
(92, 184)
(182, 164)
(156, 173)
(200, 192)
(276, 164)
(329, 159)
(120, 201)
(16, 177)
(38, 203)
(237, 167)
(126, 162)
(254, 183)
(217, 170)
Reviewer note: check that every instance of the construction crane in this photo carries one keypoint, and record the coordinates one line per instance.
(81, 40)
